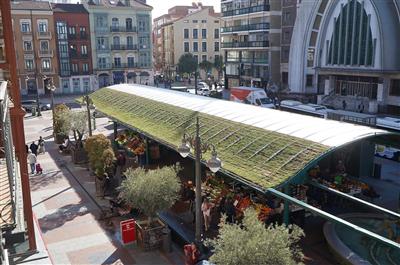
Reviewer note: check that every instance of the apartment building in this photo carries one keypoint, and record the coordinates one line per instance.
(163, 35)
(74, 48)
(121, 41)
(35, 45)
(251, 39)
(346, 51)
(289, 12)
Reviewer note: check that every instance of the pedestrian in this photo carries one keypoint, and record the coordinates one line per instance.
(34, 148)
(121, 162)
(206, 207)
(32, 161)
(344, 104)
(41, 145)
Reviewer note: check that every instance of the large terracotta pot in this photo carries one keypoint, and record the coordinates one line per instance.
(79, 156)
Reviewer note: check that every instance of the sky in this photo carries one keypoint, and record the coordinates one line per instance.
(160, 7)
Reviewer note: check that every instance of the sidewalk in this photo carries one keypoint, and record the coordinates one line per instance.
(66, 207)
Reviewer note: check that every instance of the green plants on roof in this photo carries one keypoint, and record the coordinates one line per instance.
(265, 158)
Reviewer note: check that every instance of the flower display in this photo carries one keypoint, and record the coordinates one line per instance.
(132, 142)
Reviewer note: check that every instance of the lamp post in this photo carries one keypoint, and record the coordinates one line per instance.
(214, 164)
(51, 87)
(87, 101)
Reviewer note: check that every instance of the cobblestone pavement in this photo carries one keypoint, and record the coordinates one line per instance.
(66, 209)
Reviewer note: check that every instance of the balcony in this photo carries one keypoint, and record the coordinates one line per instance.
(47, 70)
(44, 35)
(45, 53)
(101, 30)
(104, 66)
(103, 49)
(245, 44)
(122, 29)
(247, 60)
(122, 47)
(125, 65)
(246, 10)
(249, 27)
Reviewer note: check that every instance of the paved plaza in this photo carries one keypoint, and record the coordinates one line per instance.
(66, 210)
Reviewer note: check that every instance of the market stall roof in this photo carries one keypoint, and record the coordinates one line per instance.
(263, 146)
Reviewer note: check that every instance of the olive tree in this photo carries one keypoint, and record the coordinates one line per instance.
(151, 191)
(254, 243)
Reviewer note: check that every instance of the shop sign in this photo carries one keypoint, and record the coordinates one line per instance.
(128, 231)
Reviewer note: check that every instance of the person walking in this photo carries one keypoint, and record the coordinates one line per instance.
(34, 148)
(41, 145)
(32, 161)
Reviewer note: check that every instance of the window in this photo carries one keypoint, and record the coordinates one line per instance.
(195, 46)
(186, 21)
(86, 84)
(195, 33)
(117, 62)
(44, 45)
(83, 32)
(216, 21)
(25, 27)
(84, 50)
(115, 23)
(204, 21)
(128, 24)
(74, 50)
(186, 33)
(63, 49)
(394, 87)
(309, 81)
(27, 46)
(101, 43)
(116, 40)
(186, 46)
(72, 31)
(100, 22)
(46, 64)
(65, 85)
(64, 68)
(85, 67)
(204, 46)
(216, 46)
(195, 21)
(29, 64)
(131, 62)
(196, 58)
(129, 41)
(216, 58)
(204, 33)
(216, 33)
(43, 26)
(204, 58)
(75, 68)
(76, 84)
(102, 63)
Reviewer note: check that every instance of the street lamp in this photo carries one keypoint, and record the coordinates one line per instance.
(214, 163)
(88, 102)
(51, 87)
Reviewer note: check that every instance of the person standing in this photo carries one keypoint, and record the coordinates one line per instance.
(41, 145)
(206, 209)
(34, 148)
(32, 161)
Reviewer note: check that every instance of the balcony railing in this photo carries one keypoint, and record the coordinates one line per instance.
(247, 10)
(245, 44)
(45, 53)
(104, 30)
(249, 27)
(104, 66)
(125, 65)
(47, 70)
(248, 60)
(122, 47)
(44, 34)
(103, 48)
(123, 29)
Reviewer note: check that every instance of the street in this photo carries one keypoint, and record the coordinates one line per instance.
(66, 209)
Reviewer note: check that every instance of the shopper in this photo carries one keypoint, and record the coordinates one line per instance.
(121, 162)
(32, 161)
(42, 149)
(206, 207)
(34, 148)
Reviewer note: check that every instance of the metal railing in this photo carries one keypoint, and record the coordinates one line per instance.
(123, 29)
(125, 65)
(245, 44)
(122, 47)
(44, 34)
(246, 10)
(248, 27)
(46, 53)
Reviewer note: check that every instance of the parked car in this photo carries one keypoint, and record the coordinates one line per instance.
(28, 105)
(251, 95)
(200, 91)
(388, 123)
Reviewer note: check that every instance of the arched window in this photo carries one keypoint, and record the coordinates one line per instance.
(128, 23)
(116, 40)
(129, 41)
(115, 22)
(351, 43)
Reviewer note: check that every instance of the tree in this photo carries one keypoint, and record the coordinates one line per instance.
(79, 125)
(187, 64)
(61, 121)
(253, 243)
(100, 153)
(206, 66)
(219, 65)
(151, 191)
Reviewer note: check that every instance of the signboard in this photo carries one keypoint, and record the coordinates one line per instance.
(128, 231)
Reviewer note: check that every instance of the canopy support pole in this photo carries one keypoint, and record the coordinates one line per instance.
(355, 199)
(333, 218)
(286, 209)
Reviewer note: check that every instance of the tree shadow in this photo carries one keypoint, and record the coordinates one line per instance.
(43, 180)
(62, 215)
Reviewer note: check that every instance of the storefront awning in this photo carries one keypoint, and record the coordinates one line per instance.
(263, 146)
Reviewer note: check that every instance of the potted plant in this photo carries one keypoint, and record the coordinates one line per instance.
(78, 123)
(61, 123)
(151, 191)
(101, 158)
